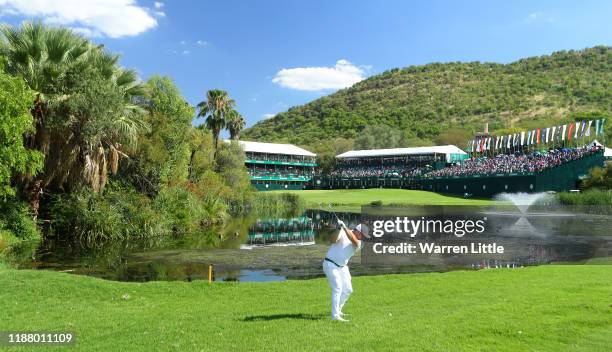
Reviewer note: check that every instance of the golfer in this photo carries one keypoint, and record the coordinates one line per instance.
(344, 245)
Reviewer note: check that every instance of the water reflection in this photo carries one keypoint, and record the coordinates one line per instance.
(251, 249)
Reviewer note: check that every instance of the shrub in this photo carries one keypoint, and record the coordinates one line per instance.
(16, 222)
(186, 211)
(116, 214)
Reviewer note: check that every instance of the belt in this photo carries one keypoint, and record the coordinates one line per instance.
(333, 262)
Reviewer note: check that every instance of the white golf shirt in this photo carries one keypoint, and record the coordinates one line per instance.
(341, 251)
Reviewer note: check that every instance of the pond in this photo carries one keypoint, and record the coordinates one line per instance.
(251, 249)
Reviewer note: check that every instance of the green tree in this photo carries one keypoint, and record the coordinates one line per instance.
(162, 154)
(15, 122)
(214, 109)
(235, 123)
(84, 111)
(598, 177)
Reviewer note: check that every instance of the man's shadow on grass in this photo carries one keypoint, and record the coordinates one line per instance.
(300, 316)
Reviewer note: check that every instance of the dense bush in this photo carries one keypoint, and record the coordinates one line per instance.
(598, 177)
(116, 214)
(187, 212)
(16, 223)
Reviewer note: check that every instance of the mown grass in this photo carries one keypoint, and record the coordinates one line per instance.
(359, 197)
(548, 308)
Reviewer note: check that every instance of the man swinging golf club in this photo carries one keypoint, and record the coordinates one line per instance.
(344, 245)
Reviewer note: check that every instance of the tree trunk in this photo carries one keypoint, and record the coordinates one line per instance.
(35, 198)
(36, 141)
(193, 152)
(216, 132)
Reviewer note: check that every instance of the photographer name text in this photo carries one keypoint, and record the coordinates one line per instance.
(433, 248)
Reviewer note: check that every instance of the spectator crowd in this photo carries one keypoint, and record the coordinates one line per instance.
(514, 163)
(377, 171)
(500, 164)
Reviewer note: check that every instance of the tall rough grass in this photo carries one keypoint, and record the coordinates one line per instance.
(120, 214)
(117, 214)
(590, 197)
(277, 204)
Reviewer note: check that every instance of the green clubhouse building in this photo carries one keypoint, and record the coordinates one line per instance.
(274, 166)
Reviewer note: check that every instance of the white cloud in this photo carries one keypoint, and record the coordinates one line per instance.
(268, 116)
(185, 52)
(540, 17)
(111, 18)
(158, 5)
(202, 42)
(183, 42)
(343, 74)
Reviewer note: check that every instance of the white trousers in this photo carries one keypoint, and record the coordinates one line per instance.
(341, 287)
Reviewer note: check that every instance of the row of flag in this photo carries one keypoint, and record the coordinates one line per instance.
(537, 136)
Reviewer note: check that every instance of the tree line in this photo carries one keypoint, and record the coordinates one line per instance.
(89, 150)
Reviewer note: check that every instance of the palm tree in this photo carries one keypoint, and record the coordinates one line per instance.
(235, 123)
(214, 109)
(75, 134)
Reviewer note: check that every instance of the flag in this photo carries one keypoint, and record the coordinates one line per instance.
(588, 130)
(552, 136)
(582, 126)
(528, 137)
(532, 141)
(467, 147)
(601, 126)
(496, 142)
(563, 134)
(508, 141)
(516, 139)
(577, 128)
(570, 131)
(489, 143)
(538, 136)
(523, 138)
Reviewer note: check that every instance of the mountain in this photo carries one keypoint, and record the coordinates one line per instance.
(448, 102)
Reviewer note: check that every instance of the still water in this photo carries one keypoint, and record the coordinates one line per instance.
(251, 249)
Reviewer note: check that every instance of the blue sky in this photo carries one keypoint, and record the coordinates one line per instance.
(271, 55)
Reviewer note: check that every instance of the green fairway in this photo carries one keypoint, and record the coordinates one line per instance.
(358, 197)
(548, 308)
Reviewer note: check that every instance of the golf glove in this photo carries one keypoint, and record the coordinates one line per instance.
(341, 223)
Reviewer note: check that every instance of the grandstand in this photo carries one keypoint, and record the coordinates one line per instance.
(278, 166)
(388, 167)
(446, 169)
(557, 169)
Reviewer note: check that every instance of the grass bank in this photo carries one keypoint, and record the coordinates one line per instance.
(347, 198)
(547, 308)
